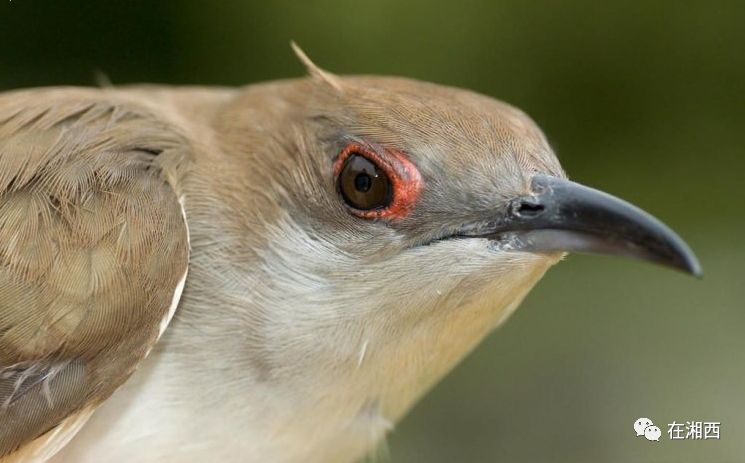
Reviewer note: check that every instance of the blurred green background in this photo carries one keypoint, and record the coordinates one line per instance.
(644, 99)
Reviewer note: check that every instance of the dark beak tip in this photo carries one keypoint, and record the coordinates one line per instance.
(683, 258)
(582, 219)
(692, 266)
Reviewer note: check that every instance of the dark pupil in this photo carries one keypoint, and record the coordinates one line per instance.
(363, 185)
(362, 182)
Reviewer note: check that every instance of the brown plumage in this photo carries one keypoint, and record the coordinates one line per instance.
(92, 249)
(309, 324)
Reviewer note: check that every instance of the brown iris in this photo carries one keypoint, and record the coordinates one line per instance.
(363, 185)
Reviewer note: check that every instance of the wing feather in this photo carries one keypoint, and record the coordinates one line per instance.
(93, 254)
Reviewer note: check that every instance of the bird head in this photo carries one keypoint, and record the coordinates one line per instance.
(381, 227)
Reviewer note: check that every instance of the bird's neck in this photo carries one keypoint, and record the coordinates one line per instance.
(239, 376)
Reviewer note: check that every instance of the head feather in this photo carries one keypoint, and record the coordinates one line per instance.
(318, 74)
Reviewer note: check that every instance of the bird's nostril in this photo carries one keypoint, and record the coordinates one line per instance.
(528, 209)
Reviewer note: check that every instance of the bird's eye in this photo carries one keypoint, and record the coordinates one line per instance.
(364, 185)
(376, 182)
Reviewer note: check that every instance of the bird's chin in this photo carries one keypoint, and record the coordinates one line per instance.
(489, 255)
(510, 246)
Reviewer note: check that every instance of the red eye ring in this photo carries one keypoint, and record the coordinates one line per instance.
(406, 181)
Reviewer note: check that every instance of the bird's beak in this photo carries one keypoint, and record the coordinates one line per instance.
(561, 215)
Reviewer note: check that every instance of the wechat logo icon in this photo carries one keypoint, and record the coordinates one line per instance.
(645, 427)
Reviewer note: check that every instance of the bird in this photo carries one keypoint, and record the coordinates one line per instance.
(271, 273)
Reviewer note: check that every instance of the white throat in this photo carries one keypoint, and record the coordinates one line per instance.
(244, 375)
